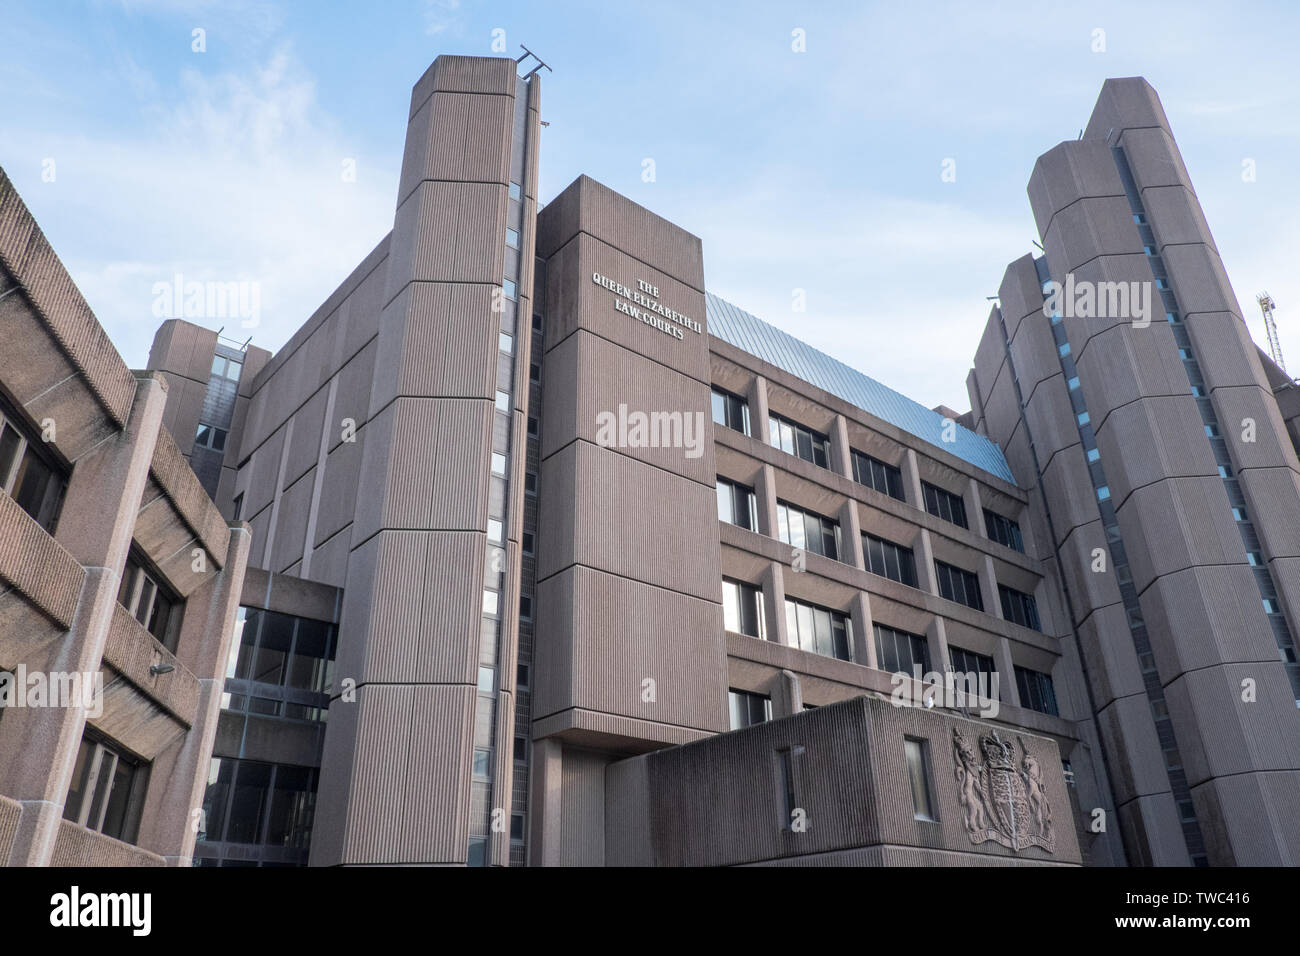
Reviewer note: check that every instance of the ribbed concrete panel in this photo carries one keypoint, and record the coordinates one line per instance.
(330, 824)
(352, 396)
(1152, 439)
(1177, 523)
(1069, 492)
(339, 488)
(1107, 649)
(1228, 358)
(458, 492)
(457, 234)
(582, 810)
(26, 254)
(1273, 497)
(601, 517)
(1091, 227)
(434, 641)
(1220, 735)
(1176, 217)
(1154, 159)
(1204, 616)
(1151, 828)
(329, 561)
(1107, 276)
(172, 473)
(257, 480)
(1125, 102)
(1254, 815)
(291, 524)
(1001, 408)
(465, 74)
(1200, 279)
(76, 846)
(609, 376)
(1067, 173)
(1236, 408)
(436, 817)
(1091, 589)
(1126, 728)
(1126, 363)
(444, 343)
(1033, 352)
(435, 142)
(990, 356)
(132, 651)
(588, 206)
(305, 444)
(37, 565)
(600, 637)
(1051, 417)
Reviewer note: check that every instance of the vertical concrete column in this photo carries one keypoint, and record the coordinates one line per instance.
(912, 479)
(786, 694)
(179, 774)
(924, 550)
(774, 603)
(841, 461)
(765, 500)
(851, 535)
(974, 507)
(545, 821)
(936, 638)
(99, 513)
(757, 399)
(864, 636)
(1009, 692)
(989, 586)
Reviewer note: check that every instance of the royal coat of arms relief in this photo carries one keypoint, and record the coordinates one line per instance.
(1002, 793)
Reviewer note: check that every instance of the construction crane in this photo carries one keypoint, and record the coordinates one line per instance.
(1267, 305)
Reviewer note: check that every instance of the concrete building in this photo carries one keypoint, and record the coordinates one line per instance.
(556, 558)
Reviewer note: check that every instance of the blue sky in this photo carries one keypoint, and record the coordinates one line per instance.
(815, 170)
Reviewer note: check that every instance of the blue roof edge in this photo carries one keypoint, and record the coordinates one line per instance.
(751, 334)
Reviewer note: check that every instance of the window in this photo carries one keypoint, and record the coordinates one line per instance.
(1003, 530)
(280, 666)
(515, 192)
(1036, 691)
(818, 629)
(482, 763)
(29, 475)
(525, 607)
(959, 585)
(210, 436)
(944, 504)
(530, 483)
(512, 238)
(1019, 607)
(528, 542)
(808, 530)
(874, 473)
(730, 411)
(521, 749)
(535, 373)
(149, 601)
(537, 322)
(889, 560)
(786, 766)
(107, 789)
(516, 828)
(794, 439)
(511, 291)
(918, 772)
(737, 505)
(900, 651)
(506, 343)
(980, 665)
(503, 401)
(532, 427)
(228, 369)
(748, 709)
(742, 608)
(239, 506)
(521, 676)
(498, 463)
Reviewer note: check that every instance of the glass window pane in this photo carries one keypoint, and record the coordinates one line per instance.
(9, 442)
(273, 650)
(115, 821)
(292, 807)
(807, 630)
(248, 805)
(719, 409)
(34, 477)
(730, 606)
(310, 651)
(80, 773)
(724, 502)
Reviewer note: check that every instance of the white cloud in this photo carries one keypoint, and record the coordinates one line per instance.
(440, 15)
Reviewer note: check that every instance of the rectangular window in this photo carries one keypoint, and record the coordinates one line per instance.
(1019, 607)
(512, 239)
(107, 789)
(737, 505)
(889, 560)
(787, 759)
(794, 439)
(730, 411)
(818, 629)
(210, 436)
(900, 651)
(748, 709)
(968, 662)
(1004, 531)
(808, 530)
(944, 504)
(1036, 691)
(742, 608)
(918, 772)
(515, 192)
(959, 585)
(149, 601)
(29, 475)
(874, 473)
(510, 289)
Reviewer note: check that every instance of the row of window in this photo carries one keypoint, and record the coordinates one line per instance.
(28, 474)
(732, 411)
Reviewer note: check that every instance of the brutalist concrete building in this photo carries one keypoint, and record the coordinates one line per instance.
(554, 558)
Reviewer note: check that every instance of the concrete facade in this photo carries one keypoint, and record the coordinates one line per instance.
(493, 617)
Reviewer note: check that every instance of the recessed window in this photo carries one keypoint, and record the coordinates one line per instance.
(490, 600)
(1064, 348)
(532, 427)
(748, 709)
(958, 584)
(818, 629)
(1162, 285)
(498, 463)
(512, 238)
(503, 401)
(530, 483)
(1004, 531)
(1084, 418)
(228, 369)
(528, 542)
(807, 530)
(877, 474)
(1093, 454)
(1103, 493)
(494, 530)
(795, 439)
(521, 750)
(516, 828)
(1140, 219)
(521, 675)
(506, 343)
(730, 411)
(28, 474)
(149, 601)
(918, 773)
(482, 763)
(107, 789)
(889, 560)
(898, 651)
(515, 192)
(979, 666)
(737, 504)
(944, 504)
(486, 680)
(1073, 383)
(1036, 691)
(1019, 607)
(537, 322)
(534, 373)
(210, 436)
(742, 608)
(525, 607)
(510, 289)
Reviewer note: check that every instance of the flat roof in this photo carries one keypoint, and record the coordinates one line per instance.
(751, 334)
